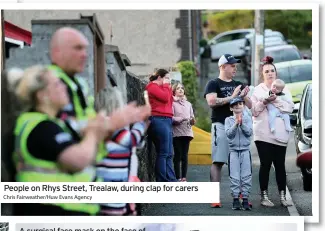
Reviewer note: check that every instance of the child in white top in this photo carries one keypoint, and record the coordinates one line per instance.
(277, 89)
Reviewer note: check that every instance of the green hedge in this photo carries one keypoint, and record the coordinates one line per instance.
(296, 27)
(189, 79)
(203, 120)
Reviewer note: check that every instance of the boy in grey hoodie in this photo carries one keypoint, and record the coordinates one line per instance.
(239, 131)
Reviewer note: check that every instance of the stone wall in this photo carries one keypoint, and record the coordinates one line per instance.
(147, 155)
(116, 66)
(132, 88)
(38, 53)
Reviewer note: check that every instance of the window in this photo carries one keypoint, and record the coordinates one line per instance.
(231, 37)
(296, 73)
(225, 38)
(301, 73)
(241, 35)
(308, 105)
(283, 73)
(284, 55)
(12, 43)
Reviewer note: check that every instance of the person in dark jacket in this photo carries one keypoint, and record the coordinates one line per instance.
(205, 52)
(239, 131)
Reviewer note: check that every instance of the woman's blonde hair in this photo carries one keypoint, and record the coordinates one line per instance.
(109, 99)
(25, 83)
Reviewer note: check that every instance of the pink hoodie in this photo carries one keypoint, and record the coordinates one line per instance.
(261, 127)
(182, 109)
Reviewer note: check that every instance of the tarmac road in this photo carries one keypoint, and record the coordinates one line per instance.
(200, 173)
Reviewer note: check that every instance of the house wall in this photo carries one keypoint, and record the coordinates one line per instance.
(150, 38)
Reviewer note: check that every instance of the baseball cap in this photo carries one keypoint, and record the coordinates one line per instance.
(236, 100)
(228, 59)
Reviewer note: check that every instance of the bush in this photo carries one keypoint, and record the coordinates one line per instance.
(189, 80)
(203, 120)
(230, 20)
(203, 43)
(296, 27)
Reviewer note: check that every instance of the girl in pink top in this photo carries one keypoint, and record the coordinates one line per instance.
(183, 120)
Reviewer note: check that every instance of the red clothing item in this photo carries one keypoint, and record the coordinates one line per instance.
(161, 99)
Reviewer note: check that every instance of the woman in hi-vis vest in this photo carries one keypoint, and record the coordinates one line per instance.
(45, 150)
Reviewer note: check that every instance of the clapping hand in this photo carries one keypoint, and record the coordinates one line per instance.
(236, 91)
(239, 119)
(127, 115)
(97, 126)
(244, 92)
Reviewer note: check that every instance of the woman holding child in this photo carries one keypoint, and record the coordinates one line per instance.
(271, 136)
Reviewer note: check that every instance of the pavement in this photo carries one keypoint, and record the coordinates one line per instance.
(301, 198)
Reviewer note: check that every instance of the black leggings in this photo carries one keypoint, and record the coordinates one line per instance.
(181, 145)
(268, 154)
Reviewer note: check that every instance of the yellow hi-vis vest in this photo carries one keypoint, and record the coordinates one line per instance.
(81, 114)
(32, 169)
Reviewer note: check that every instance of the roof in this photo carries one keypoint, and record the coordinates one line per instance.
(126, 60)
(232, 32)
(267, 32)
(274, 34)
(280, 47)
(293, 63)
(14, 32)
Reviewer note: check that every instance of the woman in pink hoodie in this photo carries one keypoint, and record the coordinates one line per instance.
(183, 120)
(271, 147)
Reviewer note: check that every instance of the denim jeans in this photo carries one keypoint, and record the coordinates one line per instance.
(161, 134)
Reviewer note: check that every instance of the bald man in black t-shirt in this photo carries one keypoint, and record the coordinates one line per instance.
(218, 94)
